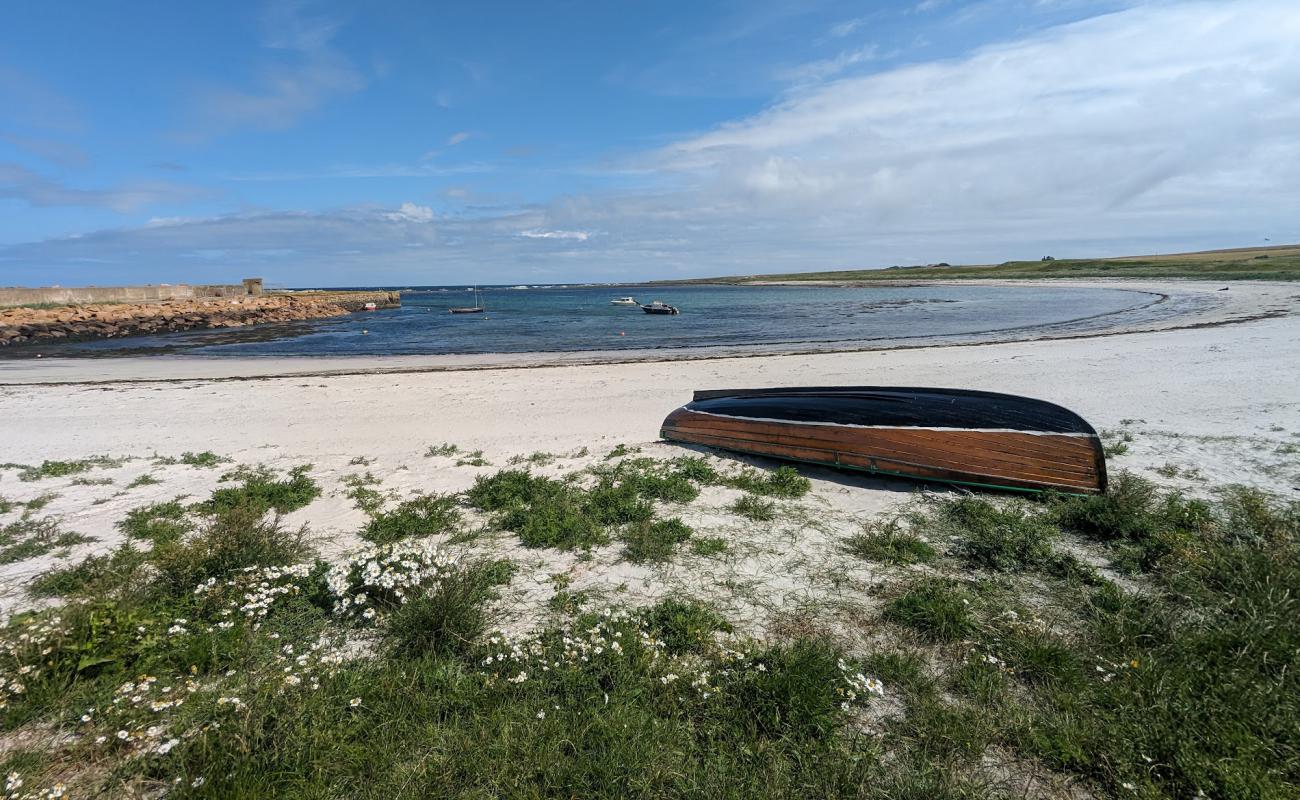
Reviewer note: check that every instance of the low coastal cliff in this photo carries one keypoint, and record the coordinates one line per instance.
(107, 320)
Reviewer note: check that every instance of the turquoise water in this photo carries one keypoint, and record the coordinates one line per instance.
(576, 318)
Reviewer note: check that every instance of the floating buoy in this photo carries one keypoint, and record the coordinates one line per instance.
(365, 332)
(621, 333)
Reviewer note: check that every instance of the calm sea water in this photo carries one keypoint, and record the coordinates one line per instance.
(566, 319)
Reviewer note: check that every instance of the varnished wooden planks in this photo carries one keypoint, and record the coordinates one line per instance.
(1012, 459)
(1069, 454)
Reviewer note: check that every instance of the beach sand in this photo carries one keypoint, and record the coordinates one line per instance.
(1220, 402)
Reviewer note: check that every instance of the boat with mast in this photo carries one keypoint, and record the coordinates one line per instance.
(477, 308)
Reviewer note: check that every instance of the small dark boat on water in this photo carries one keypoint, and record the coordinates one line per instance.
(477, 308)
(984, 439)
(659, 307)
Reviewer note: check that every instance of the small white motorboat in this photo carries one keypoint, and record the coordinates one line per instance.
(624, 301)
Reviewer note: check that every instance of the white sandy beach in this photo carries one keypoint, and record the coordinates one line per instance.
(1222, 399)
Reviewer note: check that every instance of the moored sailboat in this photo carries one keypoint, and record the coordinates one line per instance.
(477, 308)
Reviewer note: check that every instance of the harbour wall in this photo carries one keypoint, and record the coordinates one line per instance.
(82, 295)
(24, 325)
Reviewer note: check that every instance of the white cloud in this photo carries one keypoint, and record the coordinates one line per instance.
(580, 236)
(830, 67)
(410, 212)
(842, 29)
(1165, 110)
(458, 137)
(1162, 127)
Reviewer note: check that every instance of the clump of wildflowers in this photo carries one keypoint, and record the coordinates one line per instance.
(251, 593)
(380, 578)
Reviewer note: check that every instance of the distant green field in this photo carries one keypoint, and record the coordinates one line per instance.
(1266, 263)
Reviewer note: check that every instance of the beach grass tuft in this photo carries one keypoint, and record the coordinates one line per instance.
(890, 543)
(426, 515)
(61, 469)
(654, 541)
(260, 489)
(753, 507)
(936, 608)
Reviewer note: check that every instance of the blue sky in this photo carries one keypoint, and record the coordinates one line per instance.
(322, 143)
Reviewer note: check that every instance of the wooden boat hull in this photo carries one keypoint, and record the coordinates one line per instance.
(950, 435)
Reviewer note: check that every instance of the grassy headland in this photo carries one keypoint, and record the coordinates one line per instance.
(1261, 263)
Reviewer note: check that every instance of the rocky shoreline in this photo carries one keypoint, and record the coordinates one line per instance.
(24, 325)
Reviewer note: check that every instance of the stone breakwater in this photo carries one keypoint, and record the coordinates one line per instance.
(107, 320)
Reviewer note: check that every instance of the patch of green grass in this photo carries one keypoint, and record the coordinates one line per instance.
(30, 537)
(473, 459)
(612, 503)
(1115, 442)
(143, 480)
(96, 575)
(206, 459)
(654, 541)
(450, 618)
(6, 505)
(537, 459)
(560, 522)
(543, 512)
(621, 450)
(38, 503)
(1140, 523)
(237, 539)
(1198, 689)
(1001, 537)
(550, 512)
(784, 482)
(890, 543)
(61, 469)
(159, 523)
(683, 626)
(511, 487)
(697, 469)
(1278, 263)
(708, 545)
(751, 506)
(936, 608)
(670, 482)
(260, 491)
(360, 489)
(84, 481)
(427, 515)
(441, 450)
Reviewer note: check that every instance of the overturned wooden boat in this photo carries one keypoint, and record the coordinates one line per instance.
(984, 439)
